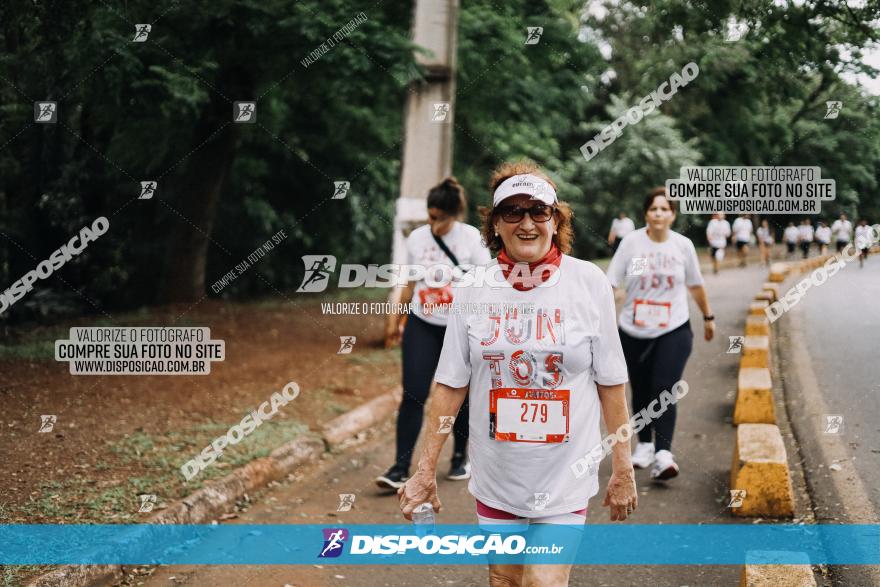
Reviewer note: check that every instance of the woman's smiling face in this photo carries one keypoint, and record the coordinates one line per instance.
(525, 241)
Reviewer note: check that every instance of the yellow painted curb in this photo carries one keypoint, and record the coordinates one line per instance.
(757, 308)
(767, 574)
(760, 468)
(764, 295)
(755, 352)
(778, 271)
(773, 288)
(757, 326)
(754, 398)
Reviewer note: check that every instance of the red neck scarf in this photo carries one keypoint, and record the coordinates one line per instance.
(524, 279)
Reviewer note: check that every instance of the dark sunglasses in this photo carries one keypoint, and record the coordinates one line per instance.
(539, 213)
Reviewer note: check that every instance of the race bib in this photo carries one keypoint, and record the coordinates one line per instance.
(434, 296)
(651, 314)
(529, 415)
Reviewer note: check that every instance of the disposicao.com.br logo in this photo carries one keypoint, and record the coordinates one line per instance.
(449, 544)
(320, 268)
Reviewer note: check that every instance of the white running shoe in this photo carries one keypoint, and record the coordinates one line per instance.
(643, 456)
(664, 467)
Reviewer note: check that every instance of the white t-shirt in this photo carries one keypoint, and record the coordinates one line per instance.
(717, 232)
(656, 277)
(566, 345)
(742, 228)
(842, 229)
(863, 236)
(620, 227)
(764, 235)
(465, 243)
(823, 234)
(791, 234)
(805, 232)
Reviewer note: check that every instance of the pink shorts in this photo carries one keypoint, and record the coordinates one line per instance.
(489, 516)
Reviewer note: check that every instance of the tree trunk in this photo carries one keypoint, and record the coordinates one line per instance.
(199, 191)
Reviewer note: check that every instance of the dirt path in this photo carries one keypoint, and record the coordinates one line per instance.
(118, 436)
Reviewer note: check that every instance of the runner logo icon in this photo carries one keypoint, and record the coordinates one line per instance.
(148, 188)
(141, 32)
(736, 345)
(340, 190)
(534, 34)
(833, 109)
(334, 540)
(318, 270)
(244, 112)
(45, 112)
(47, 423)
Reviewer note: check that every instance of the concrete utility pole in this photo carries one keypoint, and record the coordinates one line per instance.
(429, 111)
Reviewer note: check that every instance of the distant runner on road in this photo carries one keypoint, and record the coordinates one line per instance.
(791, 237)
(620, 227)
(717, 232)
(842, 229)
(766, 240)
(742, 232)
(805, 236)
(863, 241)
(823, 237)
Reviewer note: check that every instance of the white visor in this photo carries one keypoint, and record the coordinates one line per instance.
(528, 184)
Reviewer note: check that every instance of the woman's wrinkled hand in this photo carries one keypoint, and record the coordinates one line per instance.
(420, 488)
(621, 494)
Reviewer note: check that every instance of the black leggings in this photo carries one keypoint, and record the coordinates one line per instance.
(655, 365)
(421, 345)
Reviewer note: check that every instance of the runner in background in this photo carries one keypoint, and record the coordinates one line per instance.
(742, 232)
(863, 241)
(766, 240)
(791, 236)
(620, 227)
(539, 380)
(842, 229)
(445, 240)
(823, 237)
(717, 232)
(805, 236)
(657, 267)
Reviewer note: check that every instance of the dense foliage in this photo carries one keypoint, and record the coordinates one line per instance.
(161, 110)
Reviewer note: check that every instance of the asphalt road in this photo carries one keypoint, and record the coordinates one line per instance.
(703, 448)
(828, 347)
(842, 326)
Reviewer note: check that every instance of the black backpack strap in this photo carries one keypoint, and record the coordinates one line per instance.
(445, 249)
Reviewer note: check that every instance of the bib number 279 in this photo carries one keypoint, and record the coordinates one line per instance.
(529, 415)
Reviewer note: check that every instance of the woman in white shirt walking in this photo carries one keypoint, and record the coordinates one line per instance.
(539, 373)
(805, 236)
(863, 241)
(766, 240)
(717, 232)
(823, 237)
(444, 241)
(791, 237)
(742, 231)
(657, 267)
(842, 230)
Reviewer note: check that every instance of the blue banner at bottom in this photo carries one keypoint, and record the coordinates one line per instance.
(363, 544)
